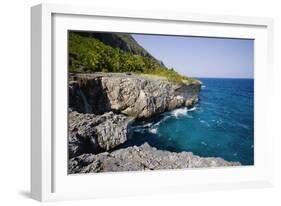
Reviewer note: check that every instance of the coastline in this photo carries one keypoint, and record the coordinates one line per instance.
(111, 102)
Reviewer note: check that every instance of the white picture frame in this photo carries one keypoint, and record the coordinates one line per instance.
(49, 179)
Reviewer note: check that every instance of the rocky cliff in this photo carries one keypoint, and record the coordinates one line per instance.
(101, 108)
(90, 133)
(103, 104)
(143, 157)
(139, 96)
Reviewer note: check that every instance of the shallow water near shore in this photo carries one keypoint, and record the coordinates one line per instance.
(220, 125)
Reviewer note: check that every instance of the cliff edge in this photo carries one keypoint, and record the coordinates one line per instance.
(103, 105)
(136, 95)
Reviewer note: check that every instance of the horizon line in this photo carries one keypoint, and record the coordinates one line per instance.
(224, 77)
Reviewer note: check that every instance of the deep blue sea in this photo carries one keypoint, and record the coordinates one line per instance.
(220, 125)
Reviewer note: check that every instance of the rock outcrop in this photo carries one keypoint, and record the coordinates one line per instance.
(90, 133)
(143, 157)
(101, 108)
(133, 95)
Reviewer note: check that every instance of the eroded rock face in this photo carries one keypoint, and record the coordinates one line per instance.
(77, 99)
(143, 157)
(133, 95)
(90, 133)
(102, 106)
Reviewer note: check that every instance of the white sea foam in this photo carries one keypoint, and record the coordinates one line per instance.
(182, 111)
(179, 112)
(142, 126)
(218, 122)
(204, 143)
(242, 125)
(140, 130)
(161, 121)
(204, 122)
(153, 127)
(153, 130)
(192, 109)
(147, 125)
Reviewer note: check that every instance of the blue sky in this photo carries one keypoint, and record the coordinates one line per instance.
(202, 57)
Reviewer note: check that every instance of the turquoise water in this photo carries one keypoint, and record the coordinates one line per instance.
(220, 125)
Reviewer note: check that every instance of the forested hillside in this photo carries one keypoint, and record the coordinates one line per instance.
(104, 52)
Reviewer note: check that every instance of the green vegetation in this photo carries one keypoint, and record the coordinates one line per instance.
(122, 41)
(88, 54)
(132, 44)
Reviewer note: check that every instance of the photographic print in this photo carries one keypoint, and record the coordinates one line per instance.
(148, 102)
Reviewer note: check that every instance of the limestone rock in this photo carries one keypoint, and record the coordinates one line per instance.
(90, 133)
(132, 95)
(143, 157)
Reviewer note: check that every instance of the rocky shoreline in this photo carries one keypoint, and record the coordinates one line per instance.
(101, 108)
(90, 133)
(143, 157)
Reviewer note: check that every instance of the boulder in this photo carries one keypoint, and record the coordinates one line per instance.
(90, 133)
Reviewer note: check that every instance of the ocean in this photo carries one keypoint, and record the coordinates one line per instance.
(221, 124)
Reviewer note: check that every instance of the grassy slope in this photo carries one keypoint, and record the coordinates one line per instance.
(87, 54)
